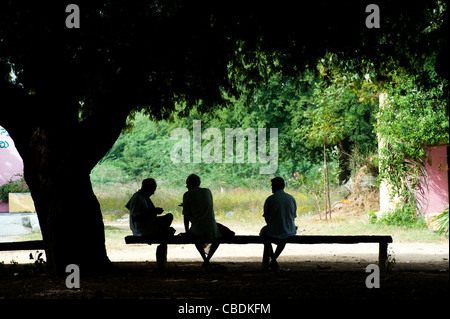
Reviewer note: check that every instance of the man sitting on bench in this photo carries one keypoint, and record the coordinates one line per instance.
(280, 211)
(143, 213)
(198, 210)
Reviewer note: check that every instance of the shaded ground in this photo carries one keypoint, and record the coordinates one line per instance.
(323, 278)
(317, 272)
(231, 281)
(320, 282)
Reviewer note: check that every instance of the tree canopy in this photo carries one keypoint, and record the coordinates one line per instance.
(154, 54)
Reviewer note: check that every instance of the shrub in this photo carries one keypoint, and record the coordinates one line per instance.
(403, 216)
(13, 186)
(441, 223)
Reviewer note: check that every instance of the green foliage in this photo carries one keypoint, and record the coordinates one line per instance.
(441, 223)
(313, 185)
(14, 185)
(363, 159)
(144, 148)
(372, 216)
(312, 181)
(413, 118)
(402, 216)
(326, 122)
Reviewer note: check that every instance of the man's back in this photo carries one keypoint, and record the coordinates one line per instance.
(280, 211)
(198, 208)
(140, 208)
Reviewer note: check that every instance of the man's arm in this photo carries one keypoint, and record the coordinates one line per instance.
(186, 213)
(294, 204)
(266, 213)
(186, 224)
(154, 211)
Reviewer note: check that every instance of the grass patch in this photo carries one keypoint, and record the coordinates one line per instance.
(348, 227)
(243, 204)
(242, 209)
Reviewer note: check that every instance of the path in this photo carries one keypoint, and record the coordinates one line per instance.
(427, 256)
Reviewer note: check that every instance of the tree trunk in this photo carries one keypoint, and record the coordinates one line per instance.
(325, 168)
(318, 206)
(328, 192)
(71, 222)
(326, 183)
(69, 213)
(59, 150)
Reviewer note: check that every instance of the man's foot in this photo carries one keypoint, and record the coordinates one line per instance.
(273, 265)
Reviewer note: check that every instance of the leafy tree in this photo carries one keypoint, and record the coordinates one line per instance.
(413, 118)
(78, 86)
(335, 115)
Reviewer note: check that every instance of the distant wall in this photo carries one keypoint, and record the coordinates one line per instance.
(10, 162)
(437, 193)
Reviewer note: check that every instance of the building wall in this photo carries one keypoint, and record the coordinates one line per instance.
(437, 193)
(435, 198)
(10, 162)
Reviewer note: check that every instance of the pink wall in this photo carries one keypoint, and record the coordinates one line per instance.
(438, 180)
(10, 161)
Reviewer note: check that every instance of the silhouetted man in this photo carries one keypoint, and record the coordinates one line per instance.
(144, 219)
(198, 210)
(280, 211)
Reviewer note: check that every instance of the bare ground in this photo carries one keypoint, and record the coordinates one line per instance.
(420, 271)
(317, 273)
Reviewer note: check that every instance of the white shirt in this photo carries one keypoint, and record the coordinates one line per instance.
(141, 214)
(198, 208)
(280, 211)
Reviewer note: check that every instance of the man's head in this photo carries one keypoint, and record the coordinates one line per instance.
(148, 186)
(277, 184)
(192, 181)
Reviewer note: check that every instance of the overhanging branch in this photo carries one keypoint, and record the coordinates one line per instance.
(103, 126)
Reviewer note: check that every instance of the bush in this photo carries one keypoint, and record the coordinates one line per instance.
(441, 223)
(13, 186)
(403, 216)
(372, 216)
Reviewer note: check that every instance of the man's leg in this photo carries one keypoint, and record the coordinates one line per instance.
(165, 221)
(212, 250)
(268, 253)
(201, 250)
(162, 225)
(278, 251)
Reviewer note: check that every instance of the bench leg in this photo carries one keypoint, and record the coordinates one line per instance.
(383, 256)
(161, 256)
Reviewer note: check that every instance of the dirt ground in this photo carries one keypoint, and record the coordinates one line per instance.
(316, 272)
(319, 276)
